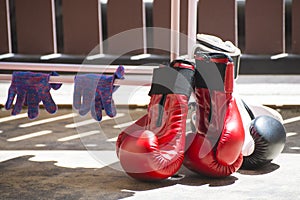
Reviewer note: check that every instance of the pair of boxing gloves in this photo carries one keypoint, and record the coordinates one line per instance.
(156, 145)
(264, 133)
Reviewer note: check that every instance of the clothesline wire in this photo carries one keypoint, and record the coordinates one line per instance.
(77, 68)
(129, 69)
(70, 79)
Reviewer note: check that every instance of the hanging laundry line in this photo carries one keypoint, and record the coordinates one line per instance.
(70, 79)
(78, 68)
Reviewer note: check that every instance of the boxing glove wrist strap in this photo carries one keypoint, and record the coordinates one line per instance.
(167, 80)
(214, 69)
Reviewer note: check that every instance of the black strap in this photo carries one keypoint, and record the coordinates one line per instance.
(167, 80)
(248, 110)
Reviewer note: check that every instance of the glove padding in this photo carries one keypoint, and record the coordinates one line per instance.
(152, 148)
(265, 134)
(215, 149)
(31, 88)
(93, 92)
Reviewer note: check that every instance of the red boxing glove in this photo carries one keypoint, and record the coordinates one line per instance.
(215, 150)
(153, 147)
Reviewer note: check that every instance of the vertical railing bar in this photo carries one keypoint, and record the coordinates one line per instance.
(8, 27)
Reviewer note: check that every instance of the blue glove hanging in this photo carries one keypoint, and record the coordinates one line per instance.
(31, 88)
(93, 92)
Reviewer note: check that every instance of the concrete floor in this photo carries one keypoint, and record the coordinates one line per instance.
(64, 156)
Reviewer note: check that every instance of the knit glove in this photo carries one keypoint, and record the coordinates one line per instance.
(31, 88)
(93, 92)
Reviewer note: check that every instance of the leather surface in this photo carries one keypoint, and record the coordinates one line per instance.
(215, 150)
(153, 147)
(149, 152)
